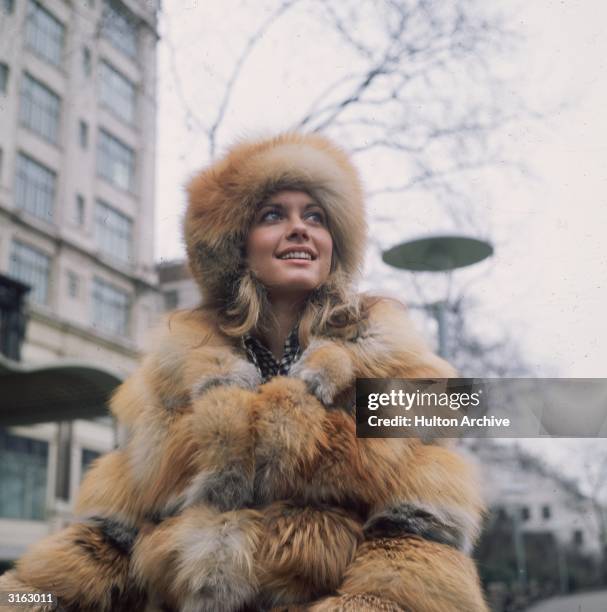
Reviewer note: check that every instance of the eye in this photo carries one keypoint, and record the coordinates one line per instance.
(272, 214)
(316, 216)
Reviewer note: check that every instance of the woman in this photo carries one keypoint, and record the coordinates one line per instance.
(241, 484)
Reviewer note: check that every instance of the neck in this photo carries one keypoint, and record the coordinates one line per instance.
(285, 310)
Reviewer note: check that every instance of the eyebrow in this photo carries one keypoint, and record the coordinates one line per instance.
(281, 205)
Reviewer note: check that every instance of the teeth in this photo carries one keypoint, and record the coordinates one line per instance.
(296, 255)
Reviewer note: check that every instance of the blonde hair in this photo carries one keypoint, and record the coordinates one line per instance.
(331, 309)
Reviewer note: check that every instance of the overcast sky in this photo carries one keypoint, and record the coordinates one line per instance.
(546, 283)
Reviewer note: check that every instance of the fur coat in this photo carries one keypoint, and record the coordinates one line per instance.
(231, 495)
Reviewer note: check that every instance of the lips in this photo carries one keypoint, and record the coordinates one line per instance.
(302, 254)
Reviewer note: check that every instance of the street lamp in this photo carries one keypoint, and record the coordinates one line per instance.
(438, 254)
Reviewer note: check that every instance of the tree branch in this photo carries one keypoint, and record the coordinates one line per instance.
(236, 70)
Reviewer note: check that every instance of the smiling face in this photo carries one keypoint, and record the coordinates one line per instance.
(289, 246)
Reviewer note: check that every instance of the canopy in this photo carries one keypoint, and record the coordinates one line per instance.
(62, 391)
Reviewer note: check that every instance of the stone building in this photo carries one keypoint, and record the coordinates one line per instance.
(541, 497)
(77, 155)
(178, 288)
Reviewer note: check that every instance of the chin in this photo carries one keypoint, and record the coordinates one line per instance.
(295, 283)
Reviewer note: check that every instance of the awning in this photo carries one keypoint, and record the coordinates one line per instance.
(61, 391)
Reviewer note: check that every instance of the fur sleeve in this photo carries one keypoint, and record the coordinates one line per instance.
(188, 395)
(438, 497)
(416, 544)
(193, 381)
(407, 573)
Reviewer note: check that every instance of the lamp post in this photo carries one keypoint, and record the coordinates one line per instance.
(512, 495)
(441, 254)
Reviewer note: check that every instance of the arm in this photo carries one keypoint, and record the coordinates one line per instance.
(86, 566)
(414, 507)
(416, 544)
(186, 420)
(407, 574)
(201, 559)
(89, 563)
(167, 463)
(310, 545)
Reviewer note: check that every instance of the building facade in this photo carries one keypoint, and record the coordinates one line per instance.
(77, 155)
(540, 498)
(179, 290)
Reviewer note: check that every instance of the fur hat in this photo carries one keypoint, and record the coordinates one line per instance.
(224, 197)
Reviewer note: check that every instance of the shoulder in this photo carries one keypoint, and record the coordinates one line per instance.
(188, 329)
(188, 334)
(189, 344)
(186, 347)
(377, 306)
(370, 316)
(383, 315)
(391, 338)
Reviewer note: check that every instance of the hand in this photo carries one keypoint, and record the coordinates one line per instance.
(326, 368)
(242, 374)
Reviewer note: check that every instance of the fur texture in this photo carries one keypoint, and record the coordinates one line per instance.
(319, 492)
(9, 583)
(201, 560)
(84, 567)
(223, 199)
(417, 574)
(304, 551)
(227, 494)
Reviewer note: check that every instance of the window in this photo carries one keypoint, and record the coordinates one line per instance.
(171, 299)
(110, 308)
(44, 33)
(79, 211)
(72, 284)
(23, 470)
(119, 26)
(525, 513)
(117, 92)
(502, 515)
(40, 108)
(546, 512)
(35, 188)
(86, 458)
(113, 232)
(7, 6)
(115, 161)
(83, 134)
(3, 78)
(32, 267)
(86, 61)
(578, 537)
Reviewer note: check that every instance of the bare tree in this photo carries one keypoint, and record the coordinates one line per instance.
(474, 355)
(210, 127)
(593, 477)
(422, 85)
(424, 88)
(280, 10)
(420, 89)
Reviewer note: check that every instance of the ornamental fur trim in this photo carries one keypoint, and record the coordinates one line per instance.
(224, 197)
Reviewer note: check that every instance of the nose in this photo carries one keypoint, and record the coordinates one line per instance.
(297, 229)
